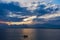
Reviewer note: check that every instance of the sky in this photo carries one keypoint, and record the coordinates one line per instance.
(26, 2)
(56, 1)
(28, 12)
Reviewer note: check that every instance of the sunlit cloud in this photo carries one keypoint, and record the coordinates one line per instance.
(26, 3)
(13, 15)
(50, 16)
(17, 23)
(27, 21)
(49, 11)
(30, 18)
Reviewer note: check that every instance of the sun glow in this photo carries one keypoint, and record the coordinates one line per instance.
(17, 23)
(27, 21)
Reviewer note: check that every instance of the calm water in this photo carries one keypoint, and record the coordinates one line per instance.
(32, 34)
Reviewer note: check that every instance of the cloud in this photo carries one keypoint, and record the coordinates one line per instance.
(25, 3)
(42, 11)
(13, 15)
(27, 21)
(50, 16)
(31, 4)
(53, 19)
(30, 18)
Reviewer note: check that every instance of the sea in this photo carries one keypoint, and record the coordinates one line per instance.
(29, 34)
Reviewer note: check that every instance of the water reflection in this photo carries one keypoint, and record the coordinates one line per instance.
(29, 34)
(18, 34)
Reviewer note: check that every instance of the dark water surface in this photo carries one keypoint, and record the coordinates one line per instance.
(29, 34)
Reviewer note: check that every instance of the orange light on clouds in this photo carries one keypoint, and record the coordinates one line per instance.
(17, 23)
(27, 21)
